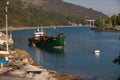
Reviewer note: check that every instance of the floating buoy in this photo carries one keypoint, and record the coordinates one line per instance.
(97, 52)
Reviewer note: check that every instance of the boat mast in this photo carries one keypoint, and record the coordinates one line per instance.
(6, 17)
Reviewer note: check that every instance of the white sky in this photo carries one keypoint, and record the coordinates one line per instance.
(108, 7)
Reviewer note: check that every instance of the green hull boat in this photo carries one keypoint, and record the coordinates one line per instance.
(42, 40)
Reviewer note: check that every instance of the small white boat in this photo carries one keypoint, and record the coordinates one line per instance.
(39, 32)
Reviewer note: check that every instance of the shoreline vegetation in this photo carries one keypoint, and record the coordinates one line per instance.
(22, 67)
(110, 24)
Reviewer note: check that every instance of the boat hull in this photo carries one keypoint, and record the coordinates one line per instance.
(53, 42)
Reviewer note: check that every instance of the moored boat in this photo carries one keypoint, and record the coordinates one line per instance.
(41, 39)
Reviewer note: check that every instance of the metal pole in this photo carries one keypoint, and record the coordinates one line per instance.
(6, 16)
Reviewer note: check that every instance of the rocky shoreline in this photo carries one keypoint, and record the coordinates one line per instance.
(22, 67)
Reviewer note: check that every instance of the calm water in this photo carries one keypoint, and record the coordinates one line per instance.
(77, 56)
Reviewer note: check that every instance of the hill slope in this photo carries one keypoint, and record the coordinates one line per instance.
(67, 9)
(44, 13)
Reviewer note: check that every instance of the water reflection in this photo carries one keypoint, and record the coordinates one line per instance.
(119, 78)
(38, 55)
(54, 57)
(42, 53)
(52, 50)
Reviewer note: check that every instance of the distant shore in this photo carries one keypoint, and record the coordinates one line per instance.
(25, 28)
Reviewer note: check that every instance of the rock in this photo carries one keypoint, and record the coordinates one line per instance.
(30, 75)
(51, 78)
(17, 73)
(25, 60)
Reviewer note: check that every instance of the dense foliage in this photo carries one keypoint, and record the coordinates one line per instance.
(23, 13)
(99, 23)
(68, 9)
(111, 22)
(17, 14)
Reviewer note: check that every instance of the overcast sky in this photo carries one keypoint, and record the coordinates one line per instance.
(108, 7)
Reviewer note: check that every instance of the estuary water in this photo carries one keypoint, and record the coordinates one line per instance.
(77, 56)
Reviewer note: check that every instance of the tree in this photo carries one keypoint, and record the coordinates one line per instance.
(118, 19)
(99, 23)
(108, 22)
(113, 20)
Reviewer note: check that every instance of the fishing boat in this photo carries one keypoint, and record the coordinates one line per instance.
(42, 39)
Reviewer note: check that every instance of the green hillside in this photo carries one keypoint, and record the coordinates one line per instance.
(24, 13)
(67, 9)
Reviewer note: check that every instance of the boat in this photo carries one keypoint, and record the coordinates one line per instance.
(42, 39)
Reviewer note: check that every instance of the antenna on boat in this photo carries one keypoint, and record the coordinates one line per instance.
(6, 17)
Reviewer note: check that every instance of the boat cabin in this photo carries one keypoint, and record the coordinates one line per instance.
(38, 33)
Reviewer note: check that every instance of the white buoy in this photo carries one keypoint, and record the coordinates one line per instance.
(97, 52)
